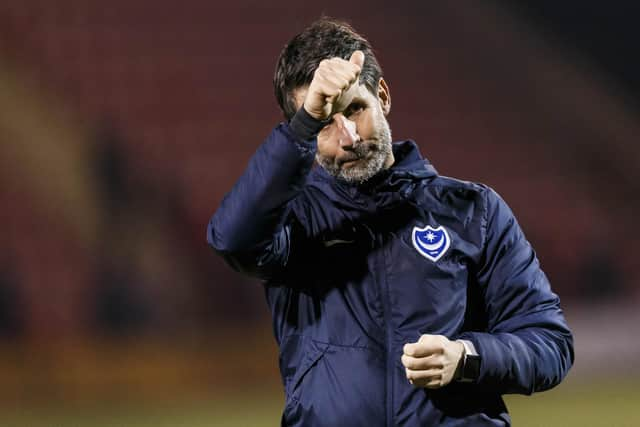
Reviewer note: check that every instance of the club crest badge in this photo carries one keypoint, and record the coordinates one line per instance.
(431, 243)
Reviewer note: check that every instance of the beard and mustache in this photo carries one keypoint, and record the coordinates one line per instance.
(369, 155)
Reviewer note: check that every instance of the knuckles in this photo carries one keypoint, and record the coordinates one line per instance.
(407, 349)
(437, 343)
(418, 379)
(433, 339)
(334, 64)
(324, 81)
(408, 361)
(428, 371)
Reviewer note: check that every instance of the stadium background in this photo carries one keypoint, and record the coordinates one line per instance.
(123, 123)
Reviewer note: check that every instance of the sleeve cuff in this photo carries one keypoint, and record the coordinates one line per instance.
(469, 348)
(304, 126)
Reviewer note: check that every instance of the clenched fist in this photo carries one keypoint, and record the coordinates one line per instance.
(333, 84)
(432, 361)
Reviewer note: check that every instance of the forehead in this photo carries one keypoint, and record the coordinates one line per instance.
(300, 94)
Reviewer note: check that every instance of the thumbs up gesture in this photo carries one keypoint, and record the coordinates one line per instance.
(334, 84)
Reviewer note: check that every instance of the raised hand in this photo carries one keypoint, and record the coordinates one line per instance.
(333, 85)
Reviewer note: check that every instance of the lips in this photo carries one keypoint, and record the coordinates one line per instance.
(348, 160)
(360, 151)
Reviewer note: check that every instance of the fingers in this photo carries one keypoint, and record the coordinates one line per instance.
(357, 58)
(431, 381)
(338, 71)
(423, 377)
(429, 362)
(432, 361)
(332, 79)
(426, 346)
(333, 85)
(424, 371)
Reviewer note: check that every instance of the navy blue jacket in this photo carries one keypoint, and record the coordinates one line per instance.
(348, 286)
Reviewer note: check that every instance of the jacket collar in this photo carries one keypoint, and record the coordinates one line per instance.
(409, 164)
(388, 186)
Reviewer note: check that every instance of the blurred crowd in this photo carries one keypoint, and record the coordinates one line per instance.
(122, 125)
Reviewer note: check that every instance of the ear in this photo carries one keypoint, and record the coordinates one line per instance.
(384, 96)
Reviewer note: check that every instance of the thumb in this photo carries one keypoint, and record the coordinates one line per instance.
(357, 58)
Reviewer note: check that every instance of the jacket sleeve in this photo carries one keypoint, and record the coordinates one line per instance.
(528, 346)
(249, 229)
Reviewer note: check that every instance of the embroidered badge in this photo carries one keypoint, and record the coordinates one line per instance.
(431, 243)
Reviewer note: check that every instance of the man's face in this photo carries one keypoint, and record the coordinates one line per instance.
(356, 145)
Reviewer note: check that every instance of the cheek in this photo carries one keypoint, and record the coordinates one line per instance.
(327, 145)
(366, 125)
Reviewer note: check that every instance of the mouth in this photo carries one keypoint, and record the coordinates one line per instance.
(361, 151)
(349, 162)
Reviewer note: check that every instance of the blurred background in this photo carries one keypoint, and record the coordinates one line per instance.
(124, 123)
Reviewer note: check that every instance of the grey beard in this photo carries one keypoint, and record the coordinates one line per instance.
(378, 151)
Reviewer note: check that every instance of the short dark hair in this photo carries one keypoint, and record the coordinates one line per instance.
(325, 38)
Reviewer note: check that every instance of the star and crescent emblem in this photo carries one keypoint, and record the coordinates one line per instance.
(431, 243)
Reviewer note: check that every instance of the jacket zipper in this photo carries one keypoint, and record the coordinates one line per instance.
(386, 310)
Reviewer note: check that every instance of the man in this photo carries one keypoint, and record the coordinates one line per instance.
(399, 297)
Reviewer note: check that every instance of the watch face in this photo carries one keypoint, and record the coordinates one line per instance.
(471, 368)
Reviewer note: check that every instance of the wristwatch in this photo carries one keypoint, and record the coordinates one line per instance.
(469, 369)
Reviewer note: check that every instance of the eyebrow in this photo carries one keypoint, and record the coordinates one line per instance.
(357, 99)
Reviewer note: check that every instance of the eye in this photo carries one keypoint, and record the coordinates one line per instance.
(353, 109)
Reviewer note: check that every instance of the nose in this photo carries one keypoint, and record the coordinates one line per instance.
(347, 131)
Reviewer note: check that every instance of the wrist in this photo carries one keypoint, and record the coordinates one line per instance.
(468, 369)
(460, 366)
(316, 115)
(305, 126)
